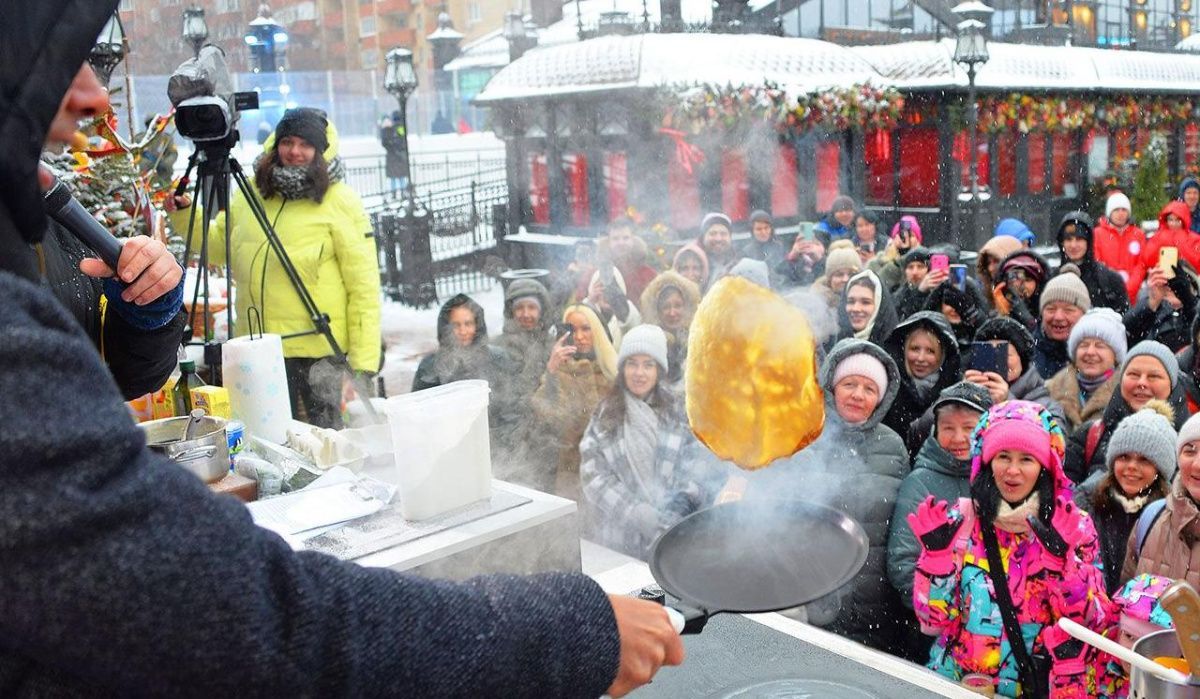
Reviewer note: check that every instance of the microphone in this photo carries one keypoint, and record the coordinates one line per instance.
(67, 211)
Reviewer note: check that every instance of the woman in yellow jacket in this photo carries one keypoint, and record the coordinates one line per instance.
(328, 236)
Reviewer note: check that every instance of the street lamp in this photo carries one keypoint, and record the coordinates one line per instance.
(195, 29)
(109, 49)
(266, 38)
(521, 35)
(971, 50)
(407, 224)
(445, 41)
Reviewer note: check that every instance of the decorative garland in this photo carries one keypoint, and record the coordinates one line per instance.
(696, 109)
(1054, 113)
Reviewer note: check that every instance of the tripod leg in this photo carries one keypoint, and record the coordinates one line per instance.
(319, 319)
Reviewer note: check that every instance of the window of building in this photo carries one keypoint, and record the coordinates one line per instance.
(366, 26)
(539, 189)
(1006, 164)
(1036, 150)
(683, 187)
(1062, 173)
(919, 171)
(735, 185)
(881, 185)
(474, 16)
(616, 183)
(126, 6)
(829, 163)
(785, 192)
(370, 58)
(576, 175)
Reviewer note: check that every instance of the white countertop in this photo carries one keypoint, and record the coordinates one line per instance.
(542, 508)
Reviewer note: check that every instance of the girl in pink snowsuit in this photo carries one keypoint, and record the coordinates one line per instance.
(1048, 549)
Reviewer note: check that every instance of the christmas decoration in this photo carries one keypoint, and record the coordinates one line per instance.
(1058, 113)
(695, 109)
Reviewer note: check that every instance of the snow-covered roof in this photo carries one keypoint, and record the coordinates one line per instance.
(491, 50)
(653, 60)
(930, 65)
(1191, 43)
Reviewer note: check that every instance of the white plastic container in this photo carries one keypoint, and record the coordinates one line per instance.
(443, 456)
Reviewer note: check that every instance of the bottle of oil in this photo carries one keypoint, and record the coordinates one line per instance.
(182, 393)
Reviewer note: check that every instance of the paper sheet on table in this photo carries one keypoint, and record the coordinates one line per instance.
(335, 498)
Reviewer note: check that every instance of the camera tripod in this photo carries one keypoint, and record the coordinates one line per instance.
(216, 169)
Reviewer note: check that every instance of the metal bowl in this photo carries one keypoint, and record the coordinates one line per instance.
(1143, 685)
(206, 454)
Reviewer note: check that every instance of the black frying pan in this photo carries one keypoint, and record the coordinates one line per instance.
(753, 556)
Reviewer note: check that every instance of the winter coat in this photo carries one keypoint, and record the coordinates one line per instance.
(1121, 250)
(908, 299)
(526, 354)
(888, 265)
(953, 596)
(1189, 370)
(970, 306)
(1191, 183)
(1063, 388)
(140, 360)
(996, 248)
(828, 230)
(1105, 287)
(773, 252)
(1187, 241)
(1169, 325)
(911, 403)
(1171, 547)
(562, 407)
(127, 575)
(935, 472)
(619, 510)
(332, 246)
(450, 363)
(1077, 467)
(1049, 356)
(677, 340)
(885, 313)
(1113, 527)
(855, 469)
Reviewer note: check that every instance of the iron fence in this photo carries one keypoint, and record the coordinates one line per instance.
(431, 174)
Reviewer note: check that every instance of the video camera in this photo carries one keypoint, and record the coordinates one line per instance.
(206, 107)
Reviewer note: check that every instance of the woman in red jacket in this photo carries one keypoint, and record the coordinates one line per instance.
(1174, 222)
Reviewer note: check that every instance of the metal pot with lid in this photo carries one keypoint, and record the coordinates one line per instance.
(205, 452)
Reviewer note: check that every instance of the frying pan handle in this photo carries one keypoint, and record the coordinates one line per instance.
(687, 620)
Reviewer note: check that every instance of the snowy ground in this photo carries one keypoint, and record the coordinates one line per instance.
(410, 334)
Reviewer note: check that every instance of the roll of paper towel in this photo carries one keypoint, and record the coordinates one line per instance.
(257, 383)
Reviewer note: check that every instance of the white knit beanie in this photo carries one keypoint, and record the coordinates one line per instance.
(1116, 200)
(1066, 286)
(1148, 432)
(1105, 325)
(1190, 432)
(645, 339)
(862, 364)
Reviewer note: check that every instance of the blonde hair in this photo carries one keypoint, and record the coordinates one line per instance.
(606, 355)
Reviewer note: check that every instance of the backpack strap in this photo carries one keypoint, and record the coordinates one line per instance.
(1145, 522)
(1094, 433)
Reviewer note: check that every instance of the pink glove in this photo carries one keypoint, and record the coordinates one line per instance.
(1063, 535)
(935, 526)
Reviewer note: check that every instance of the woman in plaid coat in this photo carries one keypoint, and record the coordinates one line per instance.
(634, 481)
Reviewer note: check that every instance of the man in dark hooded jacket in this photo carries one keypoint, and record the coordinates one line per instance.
(124, 574)
(1189, 194)
(1105, 286)
(526, 342)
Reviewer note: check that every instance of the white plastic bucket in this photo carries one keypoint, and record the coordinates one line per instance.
(440, 440)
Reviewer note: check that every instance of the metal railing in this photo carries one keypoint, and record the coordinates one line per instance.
(368, 177)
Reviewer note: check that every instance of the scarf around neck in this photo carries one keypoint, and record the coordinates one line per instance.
(1015, 519)
(1088, 386)
(295, 181)
(925, 386)
(640, 444)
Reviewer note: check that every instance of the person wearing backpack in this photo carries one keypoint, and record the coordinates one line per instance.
(1149, 371)
(1140, 462)
(1166, 537)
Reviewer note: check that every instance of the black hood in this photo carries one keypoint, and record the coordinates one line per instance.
(1037, 260)
(937, 324)
(40, 53)
(1083, 228)
(446, 335)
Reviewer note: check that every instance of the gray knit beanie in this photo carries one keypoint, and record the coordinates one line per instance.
(1067, 286)
(1190, 432)
(645, 339)
(1148, 432)
(1160, 352)
(1105, 325)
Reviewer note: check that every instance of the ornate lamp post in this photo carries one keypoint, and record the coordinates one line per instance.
(109, 49)
(971, 50)
(195, 29)
(407, 224)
